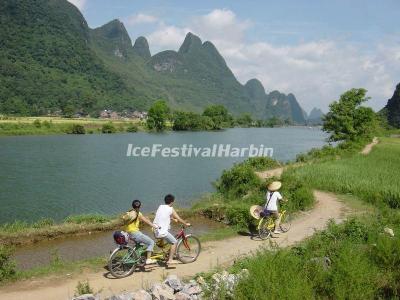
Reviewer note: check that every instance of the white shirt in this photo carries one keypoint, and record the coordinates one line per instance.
(163, 220)
(272, 200)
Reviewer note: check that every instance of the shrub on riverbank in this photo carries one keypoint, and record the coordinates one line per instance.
(239, 188)
(77, 129)
(7, 266)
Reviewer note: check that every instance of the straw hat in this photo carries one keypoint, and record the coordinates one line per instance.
(274, 186)
(255, 211)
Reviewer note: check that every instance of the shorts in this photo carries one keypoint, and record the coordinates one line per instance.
(266, 213)
(170, 239)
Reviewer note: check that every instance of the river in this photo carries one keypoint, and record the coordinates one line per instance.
(57, 176)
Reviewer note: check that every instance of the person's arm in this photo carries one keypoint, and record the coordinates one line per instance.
(280, 198)
(147, 221)
(176, 216)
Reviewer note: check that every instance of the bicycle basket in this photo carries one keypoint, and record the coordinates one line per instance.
(121, 237)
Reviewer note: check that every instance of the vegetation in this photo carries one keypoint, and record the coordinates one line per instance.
(20, 232)
(158, 115)
(347, 120)
(53, 125)
(239, 188)
(77, 129)
(108, 128)
(83, 288)
(219, 116)
(7, 266)
(373, 178)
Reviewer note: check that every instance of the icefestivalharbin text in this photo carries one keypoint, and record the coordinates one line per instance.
(216, 150)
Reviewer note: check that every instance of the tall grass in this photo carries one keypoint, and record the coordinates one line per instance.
(364, 260)
(373, 178)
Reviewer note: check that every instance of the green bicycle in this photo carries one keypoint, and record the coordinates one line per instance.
(127, 257)
(266, 224)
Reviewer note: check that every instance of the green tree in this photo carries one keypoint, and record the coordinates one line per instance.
(108, 128)
(245, 120)
(158, 115)
(219, 115)
(347, 120)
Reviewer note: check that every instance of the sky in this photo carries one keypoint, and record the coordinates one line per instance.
(315, 49)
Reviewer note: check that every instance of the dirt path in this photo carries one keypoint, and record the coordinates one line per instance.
(367, 149)
(215, 253)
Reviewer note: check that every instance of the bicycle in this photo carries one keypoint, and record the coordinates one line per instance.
(126, 258)
(266, 224)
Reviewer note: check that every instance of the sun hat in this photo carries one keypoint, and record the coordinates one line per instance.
(274, 186)
(255, 211)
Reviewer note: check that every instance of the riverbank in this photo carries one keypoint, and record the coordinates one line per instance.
(57, 125)
(15, 126)
(357, 259)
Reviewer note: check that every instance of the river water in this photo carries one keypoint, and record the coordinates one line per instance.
(57, 176)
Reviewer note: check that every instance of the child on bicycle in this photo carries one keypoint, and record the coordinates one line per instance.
(272, 198)
(134, 216)
(163, 223)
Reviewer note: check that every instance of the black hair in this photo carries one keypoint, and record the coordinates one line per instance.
(136, 203)
(169, 199)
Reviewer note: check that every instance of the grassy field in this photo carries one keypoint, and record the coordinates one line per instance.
(373, 178)
(58, 125)
(357, 259)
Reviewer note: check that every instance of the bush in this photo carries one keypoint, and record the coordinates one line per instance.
(296, 191)
(7, 266)
(77, 129)
(108, 128)
(47, 124)
(83, 288)
(261, 163)
(37, 123)
(132, 128)
(238, 181)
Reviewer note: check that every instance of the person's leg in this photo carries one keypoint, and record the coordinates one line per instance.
(171, 240)
(277, 218)
(139, 237)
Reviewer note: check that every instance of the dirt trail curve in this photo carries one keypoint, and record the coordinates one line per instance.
(215, 253)
(367, 149)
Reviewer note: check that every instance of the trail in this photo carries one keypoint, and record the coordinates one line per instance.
(367, 149)
(214, 254)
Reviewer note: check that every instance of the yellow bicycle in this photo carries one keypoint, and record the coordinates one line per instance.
(266, 224)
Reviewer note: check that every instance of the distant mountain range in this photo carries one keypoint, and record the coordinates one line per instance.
(315, 117)
(50, 60)
(392, 109)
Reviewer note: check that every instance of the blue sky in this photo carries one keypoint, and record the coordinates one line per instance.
(315, 49)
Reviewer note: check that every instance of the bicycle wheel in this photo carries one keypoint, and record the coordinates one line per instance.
(286, 222)
(122, 262)
(188, 250)
(264, 232)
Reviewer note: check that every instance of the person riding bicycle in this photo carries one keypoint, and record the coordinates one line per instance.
(163, 221)
(134, 216)
(272, 198)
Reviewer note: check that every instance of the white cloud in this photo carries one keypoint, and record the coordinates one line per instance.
(316, 72)
(79, 3)
(167, 37)
(140, 19)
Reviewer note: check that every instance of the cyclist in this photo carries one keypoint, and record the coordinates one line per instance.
(272, 198)
(163, 223)
(135, 216)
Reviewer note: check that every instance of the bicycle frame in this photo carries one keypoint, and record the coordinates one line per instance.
(269, 219)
